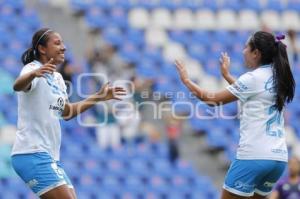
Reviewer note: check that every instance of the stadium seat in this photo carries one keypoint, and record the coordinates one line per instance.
(277, 5)
(156, 37)
(174, 51)
(226, 20)
(290, 20)
(96, 18)
(248, 20)
(118, 17)
(293, 5)
(183, 19)
(205, 19)
(271, 19)
(156, 18)
(139, 18)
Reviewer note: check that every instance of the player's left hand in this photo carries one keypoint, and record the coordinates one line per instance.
(225, 64)
(107, 92)
(182, 71)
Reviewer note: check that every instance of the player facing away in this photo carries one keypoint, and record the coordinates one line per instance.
(42, 100)
(263, 92)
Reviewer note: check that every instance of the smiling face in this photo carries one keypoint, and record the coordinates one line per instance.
(54, 48)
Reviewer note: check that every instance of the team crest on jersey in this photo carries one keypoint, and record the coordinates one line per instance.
(60, 102)
(59, 105)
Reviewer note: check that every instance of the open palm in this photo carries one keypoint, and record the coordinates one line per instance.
(107, 92)
(182, 71)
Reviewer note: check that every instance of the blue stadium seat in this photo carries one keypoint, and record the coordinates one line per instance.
(135, 184)
(17, 5)
(147, 69)
(276, 5)
(201, 37)
(251, 4)
(118, 17)
(198, 52)
(135, 36)
(216, 137)
(129, 52)
(31, 18)
(293, 5)
(115, 167)
(158, 184)
(79, 5)
(231, 5)
(111, 183)
(138, 167)
(212, 5)
(113, 35)
(9, 194)
(162, 167)
(180, 37)
(96, 18)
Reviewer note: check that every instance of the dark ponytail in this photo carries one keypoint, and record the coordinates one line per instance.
(273, 52)
(28, 56)
(41, 37)
(283, 78)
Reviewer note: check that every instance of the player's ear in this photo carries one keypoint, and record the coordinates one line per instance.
(41, 49)
(257, 54)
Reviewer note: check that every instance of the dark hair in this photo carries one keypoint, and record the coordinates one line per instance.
(40, 37)
(273, 52)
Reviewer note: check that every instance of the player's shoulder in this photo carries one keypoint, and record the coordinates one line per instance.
(58, 75)
(30, 67)
(259, 73)
(263, 70)
(33, 65)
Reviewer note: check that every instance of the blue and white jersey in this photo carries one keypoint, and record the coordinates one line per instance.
(262, 134)
(39, 111)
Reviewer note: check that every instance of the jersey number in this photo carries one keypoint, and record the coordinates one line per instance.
(272, 120)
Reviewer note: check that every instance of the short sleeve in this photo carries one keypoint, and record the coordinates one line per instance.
(27, 69)
(245, 87)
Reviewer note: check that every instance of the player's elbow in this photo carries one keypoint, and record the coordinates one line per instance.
(67, 118)
(67, 113)
(17, 87)
(212, 103)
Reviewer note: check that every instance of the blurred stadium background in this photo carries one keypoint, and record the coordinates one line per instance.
(138, 40)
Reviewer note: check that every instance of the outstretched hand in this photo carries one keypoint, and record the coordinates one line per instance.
(182, 71)
(224, 63)
(107, 92)
(49, 67)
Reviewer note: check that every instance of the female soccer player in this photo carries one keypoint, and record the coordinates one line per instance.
(42, 100)
(263, 92)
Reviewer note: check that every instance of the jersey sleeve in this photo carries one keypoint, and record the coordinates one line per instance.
(245, 87)
(27, 69)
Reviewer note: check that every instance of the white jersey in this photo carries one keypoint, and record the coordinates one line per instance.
(262, 134)
(39, 110)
